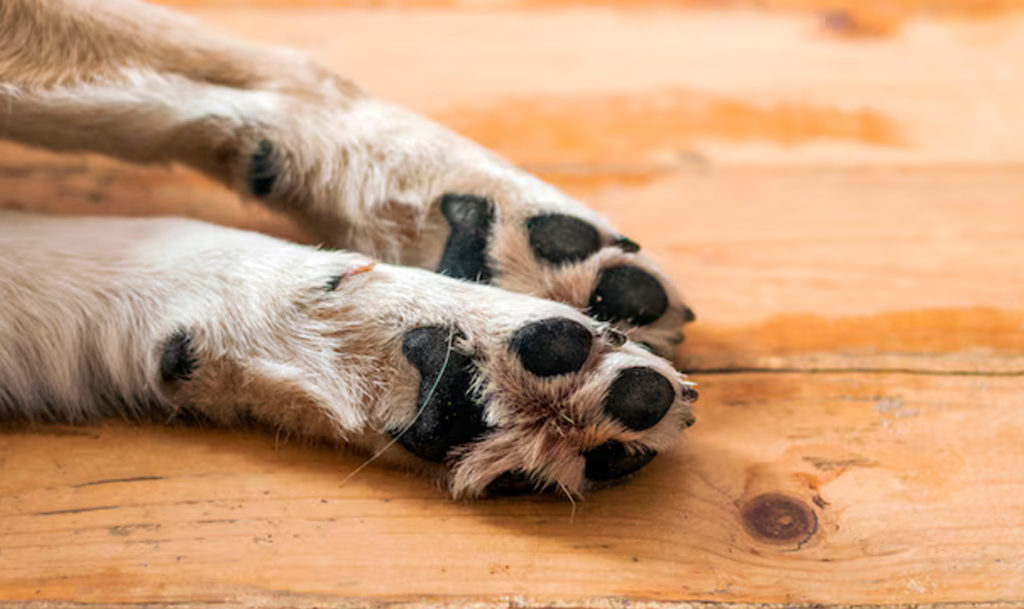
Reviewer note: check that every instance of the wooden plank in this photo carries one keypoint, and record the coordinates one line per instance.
(677, 81)
(793, 488)
(837, 208)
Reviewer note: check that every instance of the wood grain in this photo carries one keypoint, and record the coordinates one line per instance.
(838, 186)
(876, 487)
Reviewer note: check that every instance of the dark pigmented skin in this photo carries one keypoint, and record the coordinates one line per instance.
(177, 359)
(628, 293)
(465, 253)
(332, 283)
(639, 397)
(452, 416)
(561, 239)
(553, 346)
(262, 173)
(611, 460)
(510, 484)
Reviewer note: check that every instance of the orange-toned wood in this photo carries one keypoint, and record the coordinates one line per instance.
(838, 186)
(848, 488)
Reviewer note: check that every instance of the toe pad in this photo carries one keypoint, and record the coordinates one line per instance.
(639, 398)
(554, 346)
(562, 239)
(627, 293)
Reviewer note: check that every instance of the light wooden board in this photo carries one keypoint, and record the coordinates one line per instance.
(845, 209)
(870, 487)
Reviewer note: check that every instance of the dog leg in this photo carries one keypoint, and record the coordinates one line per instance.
(488, 390)
(142, 84)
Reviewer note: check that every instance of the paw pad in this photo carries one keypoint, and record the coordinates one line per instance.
(561, 239)
(639, 398)
(465, 252)
(612, 460)
(554, 346)
(177, 360)
(510, 484)
(627, 293)
(449, 415)
(262, 174)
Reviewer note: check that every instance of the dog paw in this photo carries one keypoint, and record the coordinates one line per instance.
(566, 253)
(404, 190)
(488, 390)
(511, 394)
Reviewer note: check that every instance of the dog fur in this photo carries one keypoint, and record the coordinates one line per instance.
(304, 340)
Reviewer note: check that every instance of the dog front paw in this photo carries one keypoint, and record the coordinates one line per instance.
(566, 253)
(515, 395)
(487, 390)
(384, 182)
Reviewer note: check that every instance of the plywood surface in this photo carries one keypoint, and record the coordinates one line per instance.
(839, 187)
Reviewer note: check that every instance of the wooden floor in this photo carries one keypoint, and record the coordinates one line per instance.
(839, 186)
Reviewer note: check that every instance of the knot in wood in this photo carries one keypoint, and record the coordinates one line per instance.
(779, 519)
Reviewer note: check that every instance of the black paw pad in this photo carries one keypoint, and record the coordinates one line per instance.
(560, 239)
(627, 293)
(177, 359)
(639, 397)
(612, 460)
(449, 414)
(511, 484)
(262, 173)
(465, 252)
(552, 346)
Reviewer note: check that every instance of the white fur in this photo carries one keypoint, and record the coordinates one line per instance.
(302, 340)
(88, 303)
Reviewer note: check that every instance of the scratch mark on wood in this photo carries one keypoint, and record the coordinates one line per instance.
(79, 510)
(127, 529)
(827, 465)
(118, 480)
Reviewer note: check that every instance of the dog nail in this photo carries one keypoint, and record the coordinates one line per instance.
(614, 336)
(627, 245)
